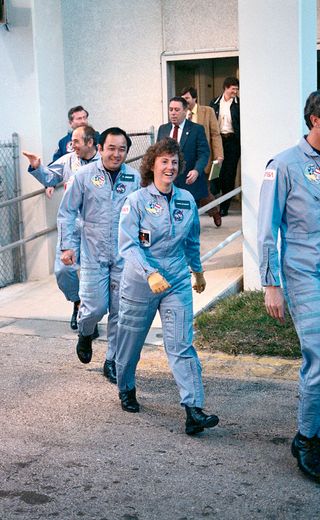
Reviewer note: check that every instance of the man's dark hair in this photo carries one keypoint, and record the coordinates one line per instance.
(181, 100)
(312, 107)
(167, 145)
(72, 110)
(115, 130)
(192, 91)
(230, 81)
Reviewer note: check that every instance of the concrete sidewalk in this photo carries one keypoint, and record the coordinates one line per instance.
(40, 308)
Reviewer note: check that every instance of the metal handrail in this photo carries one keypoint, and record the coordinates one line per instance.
(46, 231)
(42, 190)
(218, 201)
(222, 244)
(205, 257)
(23, 241)
(231, 237)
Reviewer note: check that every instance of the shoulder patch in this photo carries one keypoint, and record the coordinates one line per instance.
(125, 209)
(270, 175)
(69, 182)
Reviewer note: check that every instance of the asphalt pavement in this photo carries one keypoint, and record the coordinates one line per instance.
(68, 451)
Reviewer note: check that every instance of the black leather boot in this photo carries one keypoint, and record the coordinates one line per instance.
(129, 402)
(197, 420)
(84, 348)
(73, 321)
(307, 452)
(109, 371)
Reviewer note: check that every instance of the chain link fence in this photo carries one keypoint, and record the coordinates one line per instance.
(10, 216)
(140, 142)
(12, 240)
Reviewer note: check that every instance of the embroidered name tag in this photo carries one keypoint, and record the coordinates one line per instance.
(269, 175)
(126, 177)
(182, 204)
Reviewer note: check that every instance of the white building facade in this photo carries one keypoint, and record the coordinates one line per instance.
(123, 60)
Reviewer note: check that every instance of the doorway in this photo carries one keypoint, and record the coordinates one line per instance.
(206, 75)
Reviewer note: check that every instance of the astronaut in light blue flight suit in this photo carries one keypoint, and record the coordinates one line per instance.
(290, 202)
(98, 193)
(159, 240)
(63, 170)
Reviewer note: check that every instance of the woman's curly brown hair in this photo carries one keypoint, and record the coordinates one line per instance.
(165, 146)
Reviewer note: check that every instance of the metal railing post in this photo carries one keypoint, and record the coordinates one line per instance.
(17, 192)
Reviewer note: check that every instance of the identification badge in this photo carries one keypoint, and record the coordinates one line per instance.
(145, 237)
(126, 177)
(154, 208)
(269, 175)
(98, 180)
(178, 215)
(182, 204)
(120, 187)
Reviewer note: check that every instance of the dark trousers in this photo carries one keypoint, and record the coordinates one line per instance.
(206, 200)
(228, 172)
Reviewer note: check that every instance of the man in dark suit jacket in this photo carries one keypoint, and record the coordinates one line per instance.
(227, 110)
(194, 145)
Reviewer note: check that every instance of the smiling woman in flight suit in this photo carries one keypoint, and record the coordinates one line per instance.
(290, 202)
(159, 240)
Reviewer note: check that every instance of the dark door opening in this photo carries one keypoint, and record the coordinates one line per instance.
(206, 75)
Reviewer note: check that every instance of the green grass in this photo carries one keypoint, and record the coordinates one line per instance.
(240, 325)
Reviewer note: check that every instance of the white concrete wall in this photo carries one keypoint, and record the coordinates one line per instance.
(112, 52)
(106, 55)
(200, 25)
(112, 61)
(277, 71)
(32, 93)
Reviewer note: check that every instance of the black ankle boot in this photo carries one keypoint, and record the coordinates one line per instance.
(129, 402)
(307, 452)
(84, 348)
(109, 371)
(73, 321)
(197, 420)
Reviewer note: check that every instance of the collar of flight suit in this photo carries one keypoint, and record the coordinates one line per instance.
(154, 191)
(307, 148)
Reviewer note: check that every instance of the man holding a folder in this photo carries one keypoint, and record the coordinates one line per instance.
(206, 117)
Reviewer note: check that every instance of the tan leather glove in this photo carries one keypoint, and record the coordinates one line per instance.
(200, 283)
(157, 283)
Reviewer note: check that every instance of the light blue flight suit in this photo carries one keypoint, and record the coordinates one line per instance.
(99, 202)
(63, 170)
(155, 235)
(290, 202)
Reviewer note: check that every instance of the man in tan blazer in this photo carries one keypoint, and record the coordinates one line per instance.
(205, 116)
